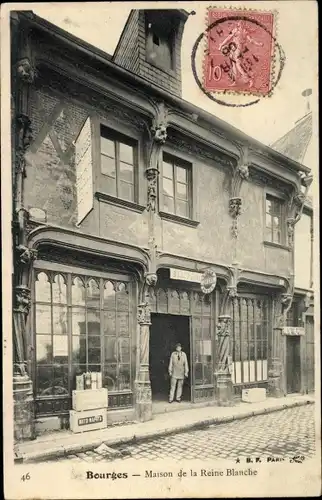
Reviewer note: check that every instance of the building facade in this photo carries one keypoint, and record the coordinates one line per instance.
(125, 198)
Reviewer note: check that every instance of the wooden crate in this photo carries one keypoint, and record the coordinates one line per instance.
(90, 399)
(90, 420)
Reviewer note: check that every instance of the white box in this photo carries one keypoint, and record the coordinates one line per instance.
(253, 395)
(90, 399)
(91, 420)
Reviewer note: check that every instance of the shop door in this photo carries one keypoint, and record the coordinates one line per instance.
(165, 331)
(293, 364)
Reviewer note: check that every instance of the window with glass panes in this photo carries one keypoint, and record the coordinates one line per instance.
(82, 323)
(176, 186)
(118, 165)
(249, 340)
(275, 231)
(202, 339)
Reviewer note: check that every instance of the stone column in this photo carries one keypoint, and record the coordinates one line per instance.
(143, 385)
(223, 374)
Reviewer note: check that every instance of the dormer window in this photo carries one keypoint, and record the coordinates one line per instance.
(160, 40)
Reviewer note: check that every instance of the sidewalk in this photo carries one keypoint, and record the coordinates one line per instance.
(60, 444)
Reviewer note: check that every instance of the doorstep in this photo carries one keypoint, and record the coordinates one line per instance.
(60, 444)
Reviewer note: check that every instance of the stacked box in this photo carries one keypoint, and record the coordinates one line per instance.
(90, 399)
(90, 420)
(89, 410)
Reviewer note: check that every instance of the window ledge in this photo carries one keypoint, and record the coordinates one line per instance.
(178, 219)
(276, 245)
(107, 198)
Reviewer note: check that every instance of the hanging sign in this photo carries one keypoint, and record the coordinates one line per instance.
(208, 281)
(84, 172)
(293, 330)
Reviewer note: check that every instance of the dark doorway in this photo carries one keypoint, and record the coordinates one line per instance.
(293, 364)
(166, 330)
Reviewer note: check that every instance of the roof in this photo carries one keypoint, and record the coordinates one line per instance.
(294, 143)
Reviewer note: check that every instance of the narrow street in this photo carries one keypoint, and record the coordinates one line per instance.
(282, 434)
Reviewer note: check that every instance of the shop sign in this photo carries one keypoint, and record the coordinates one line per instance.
(208, 281)
(90, 420)
(180, 274)
(293, 330)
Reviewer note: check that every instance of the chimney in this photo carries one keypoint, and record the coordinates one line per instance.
(150, 46)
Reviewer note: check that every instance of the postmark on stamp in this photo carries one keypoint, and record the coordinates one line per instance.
(239, 53)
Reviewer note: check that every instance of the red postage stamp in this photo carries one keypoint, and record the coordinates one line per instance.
(240, 51)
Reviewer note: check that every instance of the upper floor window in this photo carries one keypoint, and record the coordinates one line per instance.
(176, 186)
(118, 165)
(275, 231)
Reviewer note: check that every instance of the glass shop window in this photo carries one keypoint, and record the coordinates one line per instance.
(203, 355)
(82, 324)
(250, 326)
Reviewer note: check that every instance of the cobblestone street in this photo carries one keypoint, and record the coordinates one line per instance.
(281, 434)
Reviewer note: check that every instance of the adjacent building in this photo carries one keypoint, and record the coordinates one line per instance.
(126, 199)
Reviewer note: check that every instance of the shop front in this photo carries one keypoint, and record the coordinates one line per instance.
(83, 319)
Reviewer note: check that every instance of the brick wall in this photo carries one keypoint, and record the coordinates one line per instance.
(50, 181)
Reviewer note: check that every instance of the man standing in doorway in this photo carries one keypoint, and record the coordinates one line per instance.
(178, 370)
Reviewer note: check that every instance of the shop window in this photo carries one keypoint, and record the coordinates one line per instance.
(81, 324)
(203, 356)
(275, 220)
(118, 165)
(176, 187)
(250, 326)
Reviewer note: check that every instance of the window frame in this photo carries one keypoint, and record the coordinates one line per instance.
(118, 138)
(243, 338)
(179, 160)
(282, 203)
(131, 135)
(52, 270)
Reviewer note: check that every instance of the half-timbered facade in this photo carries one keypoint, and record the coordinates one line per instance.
(125, 195)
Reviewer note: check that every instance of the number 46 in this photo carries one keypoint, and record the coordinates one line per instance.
(25, 477)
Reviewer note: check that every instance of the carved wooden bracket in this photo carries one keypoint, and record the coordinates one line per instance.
(240, 173)
(157, 137)
(283, 303)
(230, 291)
(295, 208)
(144, 314)
(24, 138)
(22, 299)
(25, 70)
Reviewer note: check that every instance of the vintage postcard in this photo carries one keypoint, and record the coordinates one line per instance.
(161, 334)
